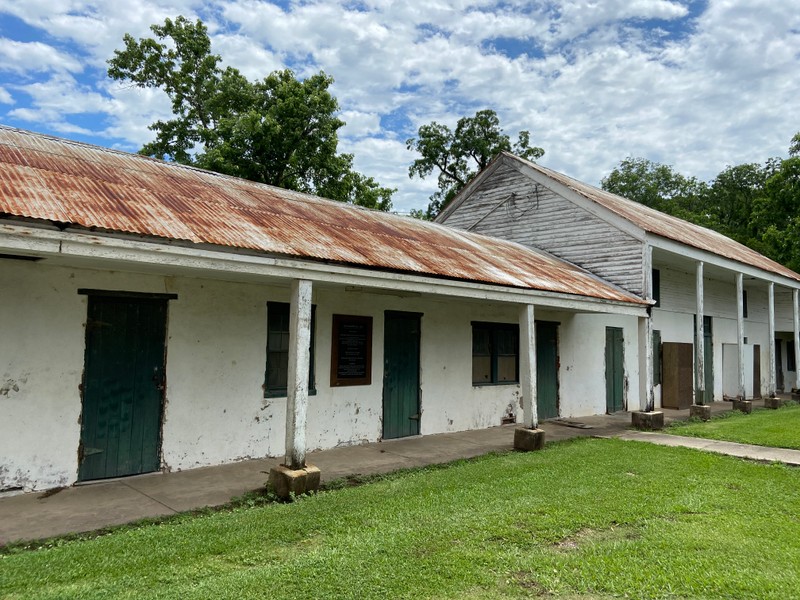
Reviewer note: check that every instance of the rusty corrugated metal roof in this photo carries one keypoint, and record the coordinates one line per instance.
(667, 226)
(47, 178)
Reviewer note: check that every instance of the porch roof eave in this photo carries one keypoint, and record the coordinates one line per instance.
(93, 250)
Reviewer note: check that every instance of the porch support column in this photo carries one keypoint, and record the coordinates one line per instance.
(771, 320)
(528, 437)
(647, 418)
(741, 402)
(699, 342)
(742, 392)
(295, 477)
(299, 362)
(796, 314)
(646, 393)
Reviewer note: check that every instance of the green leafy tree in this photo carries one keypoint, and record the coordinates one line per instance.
(457, 155)
(732, 197)
(280, 130)
(659, 186)
(755, 204)
(794, 148)
(776, 215)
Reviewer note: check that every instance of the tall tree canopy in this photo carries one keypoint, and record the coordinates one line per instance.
(457, 155)
(280, 130)
(755, 204)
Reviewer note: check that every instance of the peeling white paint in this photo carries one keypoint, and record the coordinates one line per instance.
(216, 411)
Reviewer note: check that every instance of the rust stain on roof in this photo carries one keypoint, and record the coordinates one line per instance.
(72, 183)
(667, 226)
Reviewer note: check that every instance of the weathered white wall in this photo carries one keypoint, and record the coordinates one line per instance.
(675, 318)
(215, 409)
(41, 361)
(582, 376)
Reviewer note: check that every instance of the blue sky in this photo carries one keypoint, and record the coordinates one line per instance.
(696, 84)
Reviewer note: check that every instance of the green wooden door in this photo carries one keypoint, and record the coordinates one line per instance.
(547, 369)
(615, 370)
(401, 374)
(122, 387)
(708, 359)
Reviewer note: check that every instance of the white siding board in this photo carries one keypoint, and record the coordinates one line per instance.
(553, 223)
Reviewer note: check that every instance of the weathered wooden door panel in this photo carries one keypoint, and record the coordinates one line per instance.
(547, 369)
(778, 369)
(122, 387)
(615, 370)
(401, 406)
(677, 368)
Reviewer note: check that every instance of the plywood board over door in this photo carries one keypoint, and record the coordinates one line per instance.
(678, 374)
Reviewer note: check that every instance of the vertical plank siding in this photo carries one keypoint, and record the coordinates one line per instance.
(513, 207)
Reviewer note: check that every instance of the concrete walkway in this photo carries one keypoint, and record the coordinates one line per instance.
(749, 451)
(106, 503)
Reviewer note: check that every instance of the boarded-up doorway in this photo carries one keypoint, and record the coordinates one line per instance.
(677, 371)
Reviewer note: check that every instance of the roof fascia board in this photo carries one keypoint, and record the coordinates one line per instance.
(710, 258)
(78, 245)
(583, 202)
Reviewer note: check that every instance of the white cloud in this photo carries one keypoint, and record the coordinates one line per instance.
(34, 57)
(359, 124)
(593, 81)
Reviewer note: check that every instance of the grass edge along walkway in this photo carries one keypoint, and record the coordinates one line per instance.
(586, 518)
(774, 428)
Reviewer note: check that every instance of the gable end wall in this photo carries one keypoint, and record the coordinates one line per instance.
(548, 221)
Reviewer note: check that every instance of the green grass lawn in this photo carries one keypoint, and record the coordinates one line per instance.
(589, 518)
(775, 428)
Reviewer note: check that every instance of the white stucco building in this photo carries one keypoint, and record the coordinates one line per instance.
(709, 291)
(159, 317)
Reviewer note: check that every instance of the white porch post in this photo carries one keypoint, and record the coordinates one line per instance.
(646, 394)
(771, 319)
(796, 314)
(742, 392)
(299, 361)
(527, 366)
(699, 342)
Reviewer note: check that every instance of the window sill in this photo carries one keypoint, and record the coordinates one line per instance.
(282, 393)
(494, 384)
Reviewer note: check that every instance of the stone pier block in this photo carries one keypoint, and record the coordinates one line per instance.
(700, 411)
(528, 439)
(746, 406)
(286, 482)
(773, 402)
(648, 420)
